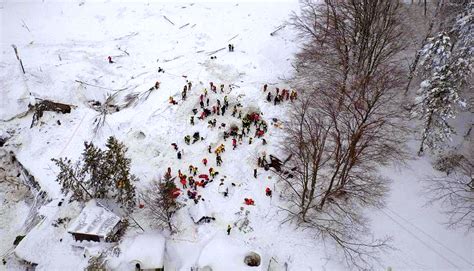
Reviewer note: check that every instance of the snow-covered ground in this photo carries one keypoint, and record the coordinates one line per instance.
(60, 43)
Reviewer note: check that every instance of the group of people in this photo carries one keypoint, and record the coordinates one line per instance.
(280, 96)
(196, 138)
(251, 126)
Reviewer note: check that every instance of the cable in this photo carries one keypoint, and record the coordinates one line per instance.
(417, 238)
(431, 237)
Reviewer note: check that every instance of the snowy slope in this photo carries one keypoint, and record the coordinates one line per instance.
(60, 43)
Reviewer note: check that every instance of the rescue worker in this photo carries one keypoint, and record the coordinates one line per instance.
(175, 146)
(187, 139)
(268, 192)
(183, 181)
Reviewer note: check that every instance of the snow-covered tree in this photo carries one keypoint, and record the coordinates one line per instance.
(92, 167)
(119, 172)
(436, 52)
(100, 174)
(437, 101)
(71, 179)
(446, 69)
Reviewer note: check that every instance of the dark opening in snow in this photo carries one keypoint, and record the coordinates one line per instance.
(252, 259)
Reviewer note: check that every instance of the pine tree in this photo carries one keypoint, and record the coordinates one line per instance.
(100, 174)
(71, 179)
(119, 173)
(93, 159)
(436, 104)
(436, 53)
(446, 68)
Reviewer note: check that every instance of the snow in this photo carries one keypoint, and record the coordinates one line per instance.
(225, 253)
(197, 211)
(94, 220)
(69, 41)
(146, 249)
(51, 247)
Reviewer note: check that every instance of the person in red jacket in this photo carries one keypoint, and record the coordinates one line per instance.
(249, 201)
(268, 192)
(234, 143)
(204, 161)
(183, 181)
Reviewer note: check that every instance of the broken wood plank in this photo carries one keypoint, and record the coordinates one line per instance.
(127, 36)
(183, 26)
(168, 60)
(278, 29)
(18, 57)
(85, 83)
(121, 50)
(233, 37)
(218, 50)
(166, 18)
(25, 25)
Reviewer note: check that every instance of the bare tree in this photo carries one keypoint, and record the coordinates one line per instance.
(161, 203)
(455, 190)
(347, 123)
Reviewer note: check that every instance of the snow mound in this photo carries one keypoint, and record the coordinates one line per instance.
(147, 250)
(226, 253)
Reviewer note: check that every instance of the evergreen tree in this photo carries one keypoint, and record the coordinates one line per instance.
(119, 172)
(93, 166)
(71, 179)
(100, 174)
(436, 104)
(446, 68)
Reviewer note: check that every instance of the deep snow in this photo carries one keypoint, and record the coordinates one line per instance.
(63, 42)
